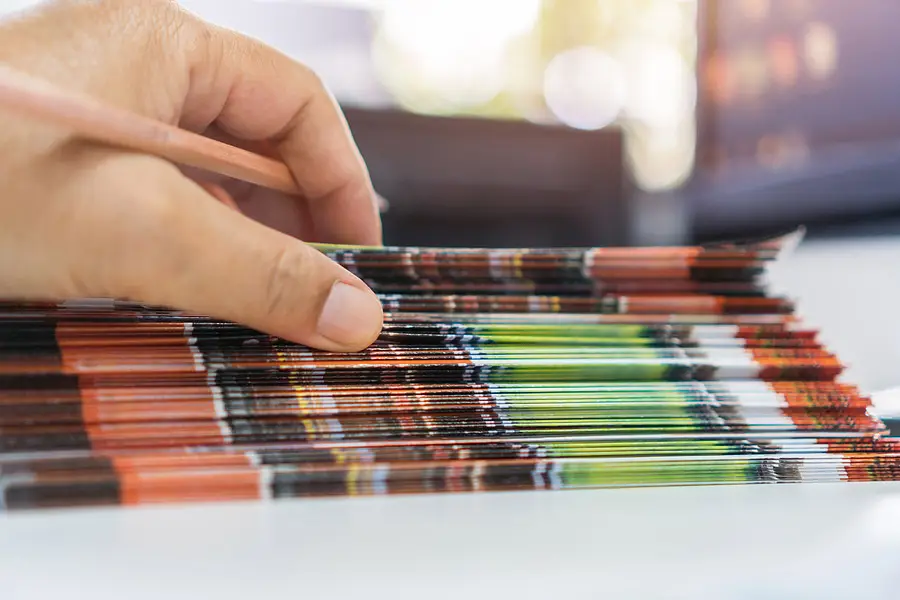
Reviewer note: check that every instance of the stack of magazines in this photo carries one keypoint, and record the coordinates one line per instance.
(497, 369)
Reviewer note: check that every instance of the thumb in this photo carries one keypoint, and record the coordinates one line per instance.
(182, 248)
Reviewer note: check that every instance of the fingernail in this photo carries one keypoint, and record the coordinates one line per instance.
(351, 317)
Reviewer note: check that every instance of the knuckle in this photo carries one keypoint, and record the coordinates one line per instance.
(317, 93)
(288, 281)
(313, 80)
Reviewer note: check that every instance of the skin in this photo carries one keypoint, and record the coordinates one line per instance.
(81, 220)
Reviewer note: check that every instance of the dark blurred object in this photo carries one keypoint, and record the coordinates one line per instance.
(478, 182)
(798, 118)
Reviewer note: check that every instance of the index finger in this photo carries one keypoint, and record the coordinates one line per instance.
(253, 92)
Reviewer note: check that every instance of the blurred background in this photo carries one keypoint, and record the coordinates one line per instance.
(576, 122)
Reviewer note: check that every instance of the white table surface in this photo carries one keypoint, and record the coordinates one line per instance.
(723, 543)
(744, 542)
(850, 288)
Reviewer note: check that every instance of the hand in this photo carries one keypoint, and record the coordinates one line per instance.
(82, 220)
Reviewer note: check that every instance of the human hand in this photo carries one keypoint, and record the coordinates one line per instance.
(82, 220)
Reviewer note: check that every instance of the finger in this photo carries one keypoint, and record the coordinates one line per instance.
(219, 193)
(265, 147)
(273, 209)
(290, 215)
(253, 92)
(177, 246)
(287, 215)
